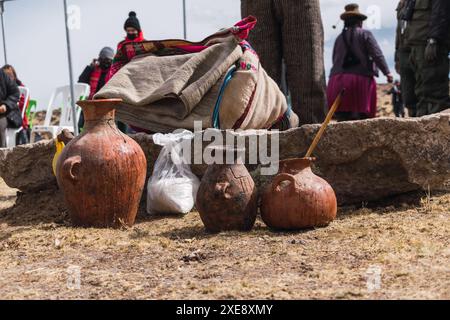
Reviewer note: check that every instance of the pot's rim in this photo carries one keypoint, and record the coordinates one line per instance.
(295, 164)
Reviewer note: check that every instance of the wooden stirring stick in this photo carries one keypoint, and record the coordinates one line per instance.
(330, 115)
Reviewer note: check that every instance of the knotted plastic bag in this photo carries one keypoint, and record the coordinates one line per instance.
(172, 188)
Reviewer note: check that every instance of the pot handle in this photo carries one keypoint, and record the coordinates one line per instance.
(281, 178)
(221, 188)
(69, 168)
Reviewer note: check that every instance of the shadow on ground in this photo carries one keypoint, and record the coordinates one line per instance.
(48, 207)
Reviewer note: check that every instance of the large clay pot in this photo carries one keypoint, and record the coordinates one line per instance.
(297, 198)
(227, 198)
(102, 172)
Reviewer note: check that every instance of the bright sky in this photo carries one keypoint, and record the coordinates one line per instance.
(36, 43)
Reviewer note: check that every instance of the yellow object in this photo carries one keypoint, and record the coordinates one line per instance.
(59, 148)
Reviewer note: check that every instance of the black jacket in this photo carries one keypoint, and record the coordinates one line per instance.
(431, 19)
(440, 20)
(85, 77)
(9, 93)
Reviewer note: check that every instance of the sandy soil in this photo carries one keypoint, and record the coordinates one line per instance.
(407, 244)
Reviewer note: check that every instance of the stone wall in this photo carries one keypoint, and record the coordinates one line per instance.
(363, 161)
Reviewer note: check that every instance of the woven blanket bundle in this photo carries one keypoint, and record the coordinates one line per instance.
(167, 85)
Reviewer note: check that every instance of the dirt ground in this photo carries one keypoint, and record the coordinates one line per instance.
(394, 251)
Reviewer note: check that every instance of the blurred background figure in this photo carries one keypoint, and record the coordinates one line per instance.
(9, 108)
(356, 59)
(95, 75)
(133, 29)
(397, 100)
(134, 34)
(292, 30)
(427, 33)
(403, 64)
(24, 135)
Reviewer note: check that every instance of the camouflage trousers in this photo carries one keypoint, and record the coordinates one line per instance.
(432, 83)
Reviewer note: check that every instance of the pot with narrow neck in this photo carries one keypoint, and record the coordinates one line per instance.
(297, 198)
(227, 197)
(102, 172)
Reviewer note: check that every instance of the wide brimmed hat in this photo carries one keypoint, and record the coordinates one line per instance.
(352, 12)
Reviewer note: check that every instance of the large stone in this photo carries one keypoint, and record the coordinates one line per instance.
(363, 161)
(28, 167)
(370, 160)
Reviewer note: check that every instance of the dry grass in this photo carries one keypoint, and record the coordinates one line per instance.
(162, 258)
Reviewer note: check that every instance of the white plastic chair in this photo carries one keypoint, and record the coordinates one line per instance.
(61, 99)
(11, 134)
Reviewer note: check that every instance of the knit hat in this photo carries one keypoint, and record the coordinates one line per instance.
(352, 11)
(132, 22)
(106, 53)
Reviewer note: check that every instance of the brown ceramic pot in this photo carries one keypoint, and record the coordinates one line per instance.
(297, 198)
(102, 172)
(227, 198)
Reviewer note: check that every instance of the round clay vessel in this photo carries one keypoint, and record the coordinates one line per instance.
(227, 197)
(102, 172)
(297, 198)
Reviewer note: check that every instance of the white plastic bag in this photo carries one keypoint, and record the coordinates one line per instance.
(172, 188)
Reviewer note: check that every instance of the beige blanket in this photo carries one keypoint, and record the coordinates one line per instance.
(162, 94)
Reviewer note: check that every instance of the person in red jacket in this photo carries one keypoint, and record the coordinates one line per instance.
(95, 75)
(135, 34)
